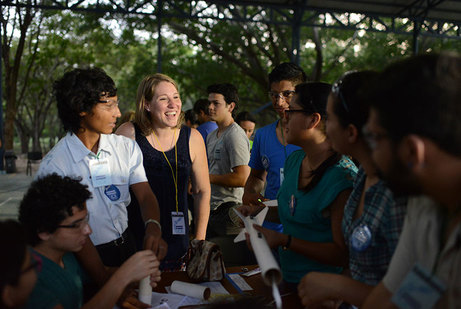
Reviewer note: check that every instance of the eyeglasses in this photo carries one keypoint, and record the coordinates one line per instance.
(287, 94)
(336, 90)
(79, 224)
(113, 104)
(372, 138)
(291, 111)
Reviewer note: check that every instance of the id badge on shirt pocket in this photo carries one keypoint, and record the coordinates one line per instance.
(178, 223)
(100, 172)
(419, 290)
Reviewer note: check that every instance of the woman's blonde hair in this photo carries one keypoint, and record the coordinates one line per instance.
(145, 94)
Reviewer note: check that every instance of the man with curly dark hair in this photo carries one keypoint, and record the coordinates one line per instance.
(53, 212)
(108, 164)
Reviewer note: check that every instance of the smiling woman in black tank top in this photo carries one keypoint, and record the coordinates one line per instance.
(173, 155)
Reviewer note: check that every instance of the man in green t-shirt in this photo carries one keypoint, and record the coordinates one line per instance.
(54, 215)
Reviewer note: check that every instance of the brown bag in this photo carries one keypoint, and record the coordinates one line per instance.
(205, 261)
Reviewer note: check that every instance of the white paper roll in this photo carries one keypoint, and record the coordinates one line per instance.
(145, 291)
(270, 270)
(190, 289)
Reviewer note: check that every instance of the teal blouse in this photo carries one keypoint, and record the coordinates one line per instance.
(303, 214)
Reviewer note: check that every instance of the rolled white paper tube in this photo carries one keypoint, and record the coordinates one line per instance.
(145, 291)
(270, 270)
(190, 289)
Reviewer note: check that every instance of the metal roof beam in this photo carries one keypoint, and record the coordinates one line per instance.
(272, 13)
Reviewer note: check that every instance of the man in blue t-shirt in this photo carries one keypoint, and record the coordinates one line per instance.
(206, 124)
(270, 149)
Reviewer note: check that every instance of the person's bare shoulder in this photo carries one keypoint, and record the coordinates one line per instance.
(126, 129)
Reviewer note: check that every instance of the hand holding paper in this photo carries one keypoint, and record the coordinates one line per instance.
(258, 220)
(274, 239)
(270, 270)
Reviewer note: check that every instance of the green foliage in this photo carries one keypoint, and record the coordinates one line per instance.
(196, 53)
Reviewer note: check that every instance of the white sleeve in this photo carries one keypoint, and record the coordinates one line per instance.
(404, 257)
(137, 171)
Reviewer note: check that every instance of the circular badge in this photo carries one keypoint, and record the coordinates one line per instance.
(112, 192)
(361, 238)
(265, 162)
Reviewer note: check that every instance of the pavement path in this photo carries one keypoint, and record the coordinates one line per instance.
(12, 188)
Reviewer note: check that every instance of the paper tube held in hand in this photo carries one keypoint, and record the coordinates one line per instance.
(145, 291)
(270, 270)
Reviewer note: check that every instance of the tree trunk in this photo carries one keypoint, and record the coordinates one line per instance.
(12, 72)
(36, 146)
(24, 139)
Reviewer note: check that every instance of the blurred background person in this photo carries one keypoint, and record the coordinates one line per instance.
(126, 116)
(248, 123)
(206, 124)
(191, 119)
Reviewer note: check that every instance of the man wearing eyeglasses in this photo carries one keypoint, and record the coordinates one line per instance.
(55, 218)
(108, 164)
(270, 148)
(415, 135)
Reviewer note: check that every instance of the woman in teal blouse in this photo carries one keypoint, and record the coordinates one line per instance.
(317, 183)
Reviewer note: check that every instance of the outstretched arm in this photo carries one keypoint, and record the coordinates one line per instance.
(137, 267)
(253, 187)
(315, 288)
(150, 210)
(380, 297)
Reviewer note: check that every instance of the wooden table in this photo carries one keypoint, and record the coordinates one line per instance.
(290, 299)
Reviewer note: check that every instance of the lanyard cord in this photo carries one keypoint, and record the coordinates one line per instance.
(175, 178)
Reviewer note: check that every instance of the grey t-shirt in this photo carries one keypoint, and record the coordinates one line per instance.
(420, 243)
(225, 152)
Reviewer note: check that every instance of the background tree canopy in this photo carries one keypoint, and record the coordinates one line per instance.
(39, 46)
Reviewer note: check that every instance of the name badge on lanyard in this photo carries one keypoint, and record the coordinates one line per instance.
(419, 289)
(100, 172)
(178, 223)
